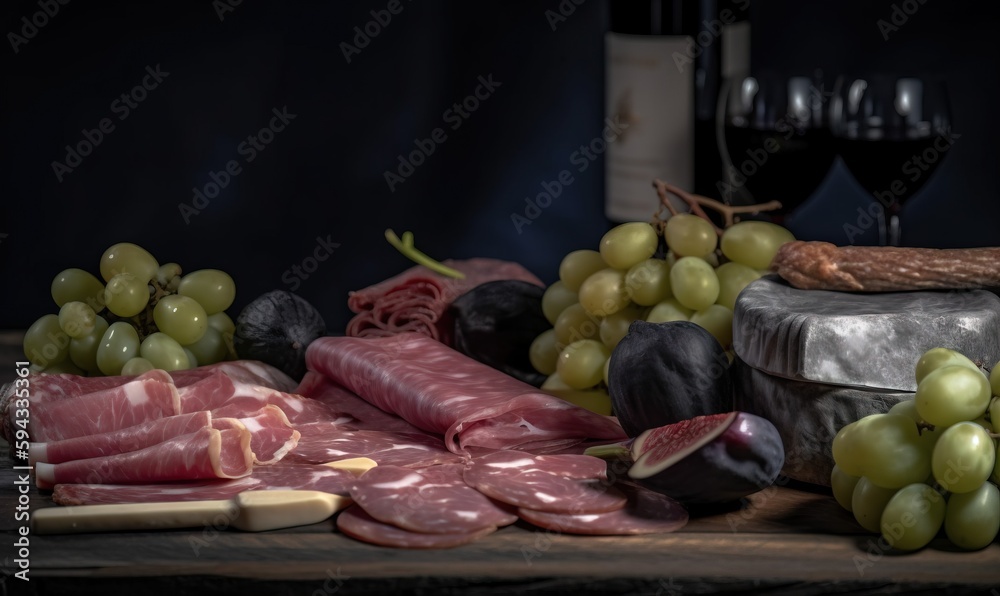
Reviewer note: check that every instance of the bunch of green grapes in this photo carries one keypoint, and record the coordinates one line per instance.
(143, 316)
(601, 292)
(930, 461)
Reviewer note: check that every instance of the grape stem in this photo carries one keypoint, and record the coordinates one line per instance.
(729, 213)
(405, 246)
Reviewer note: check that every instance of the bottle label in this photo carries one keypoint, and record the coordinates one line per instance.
(652, 95)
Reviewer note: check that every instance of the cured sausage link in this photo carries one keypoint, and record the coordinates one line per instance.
(825, 266)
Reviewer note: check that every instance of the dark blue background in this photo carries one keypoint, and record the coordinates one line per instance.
(324, 175)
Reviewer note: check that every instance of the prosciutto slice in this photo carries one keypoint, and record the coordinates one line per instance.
(322, 443)
(150, 396)
(227, 398)
(356, 523)
(207, 453)
(283, 475)
(271, 434)
(128, 439)
(444, 392)
(647, 512)
(434, 500)
(417, 299)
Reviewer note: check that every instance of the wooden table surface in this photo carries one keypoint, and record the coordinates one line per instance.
(788, 539)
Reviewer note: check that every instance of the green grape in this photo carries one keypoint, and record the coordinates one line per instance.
(581, 363)
(214, 290)
(211, 348)
(995, 379)
(181, 318)
(83, 350)
(669, 310)
(843, 486)
(77, 285)
(126, 296)
(119, 344)
(733, 277)
(928, 435)
(717, 320)
(222, 323)
(936, 358)
(952, 394)
(614, 327)
(66, 367)
(963, 457)
(577, 266)
(629, 243)
(604, 292)
(607, 367)
(192, 360)
(994, 411)
(555, 300)
(754, 243)
(972, 519)
(129, 258)
(544, 351)
(137, 366)
(76, 319)
(848, 446)
(891, 451)
(167, 272)
(554, 383)
(648, 282)
(45, 343)
(575, 324)
(164, 352)
(688, 235)
(694, 283)
(995, 477)
(912, 517)
(868, 501)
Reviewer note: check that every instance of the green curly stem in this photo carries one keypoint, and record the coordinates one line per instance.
(405, 246)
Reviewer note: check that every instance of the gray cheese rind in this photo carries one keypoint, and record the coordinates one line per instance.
(869, 341)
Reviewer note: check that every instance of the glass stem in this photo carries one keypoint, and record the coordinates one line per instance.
(894, 230)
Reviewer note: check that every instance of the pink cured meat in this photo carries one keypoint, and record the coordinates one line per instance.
(226, 398)
(556, 483)
(444, 392)
(321, 442)
(271, 434)
(207, 453)
(282, 475)
(433, 500)
(647, 512)
(357, 524)
(124, 440)
(150, 396)
(417, 299)
(363, 414)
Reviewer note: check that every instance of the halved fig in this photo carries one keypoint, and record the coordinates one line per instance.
(709, 459)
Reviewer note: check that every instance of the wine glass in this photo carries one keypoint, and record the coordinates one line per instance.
(892, 132)
(774, 139)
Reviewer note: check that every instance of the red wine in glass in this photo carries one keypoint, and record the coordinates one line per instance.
(892, 133)
(776, 145)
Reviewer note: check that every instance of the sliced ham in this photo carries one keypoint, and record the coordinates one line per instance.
(344, 401)
(357, 524)
(283, 475)
(127, 439)
(433, 500)
(227, 398)
(444, 392)
(556, 483)
(271, 434)
(417, 299)
(647, 512)
(207, 453)
(321, 442)
(150, 396)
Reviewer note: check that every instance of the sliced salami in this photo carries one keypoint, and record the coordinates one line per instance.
(647, 512)
(344, 401)
(282, 475)
(321, 443)
(207, 453)
(444, 392)
(357, 524)
(556, 483)
(433, 500)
